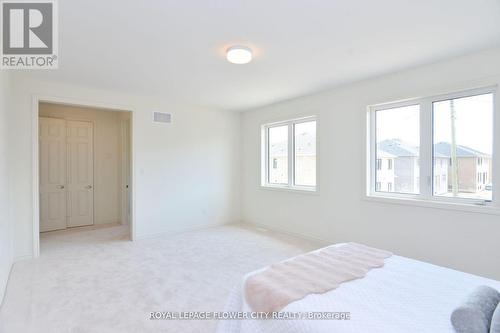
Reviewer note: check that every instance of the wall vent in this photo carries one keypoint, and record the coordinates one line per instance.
(162, 117)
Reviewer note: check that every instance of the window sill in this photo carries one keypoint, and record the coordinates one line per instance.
(292, 189)
(464, 207)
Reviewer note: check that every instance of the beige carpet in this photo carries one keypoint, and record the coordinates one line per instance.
(97, 281)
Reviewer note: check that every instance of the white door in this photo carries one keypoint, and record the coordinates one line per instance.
(80, 173)
(52, 172)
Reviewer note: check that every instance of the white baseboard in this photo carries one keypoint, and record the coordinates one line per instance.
(176, 232)
(23, 257)
(104, 222)
(4, 280)
(94, 226)
(289, 233)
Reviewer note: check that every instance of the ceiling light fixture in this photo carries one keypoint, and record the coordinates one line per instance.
(239, 55)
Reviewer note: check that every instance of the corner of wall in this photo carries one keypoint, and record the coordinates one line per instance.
(6, 227)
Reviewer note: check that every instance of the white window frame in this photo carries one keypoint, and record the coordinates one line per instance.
(291, 155)
(426, 197)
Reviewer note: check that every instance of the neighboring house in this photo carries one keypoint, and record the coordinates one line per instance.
(385, 171)
(440, 173)
(305, 161)
(278, 163)
(405, 165)
(474, 167)
(397, 168)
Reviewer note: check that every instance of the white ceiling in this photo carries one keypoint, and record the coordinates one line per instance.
(176, 48)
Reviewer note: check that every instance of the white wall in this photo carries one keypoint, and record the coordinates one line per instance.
(6, 234)
(461, 240)
(107, 156)
(186, 173)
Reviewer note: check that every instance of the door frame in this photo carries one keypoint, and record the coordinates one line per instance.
(36, 100)
(125, 138)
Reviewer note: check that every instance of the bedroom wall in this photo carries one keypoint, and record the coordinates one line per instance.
(186, 173)
(6, 234)
(465, 241)
(107, 156)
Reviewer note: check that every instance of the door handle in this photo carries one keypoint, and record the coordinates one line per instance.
(60, 187)
(88, 187)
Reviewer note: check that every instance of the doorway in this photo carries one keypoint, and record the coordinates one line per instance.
(84, 173)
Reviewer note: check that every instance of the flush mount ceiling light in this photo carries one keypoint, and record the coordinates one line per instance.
(239, 55)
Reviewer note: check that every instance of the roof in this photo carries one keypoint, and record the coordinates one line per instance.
(400, 148)
(397, 148)
(444, 148)
(305, 146)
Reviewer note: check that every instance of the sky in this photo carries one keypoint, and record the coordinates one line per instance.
(279, 134)
(474, 123)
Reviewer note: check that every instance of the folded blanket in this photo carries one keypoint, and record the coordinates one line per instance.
(474, 315)
(495, 321)
(312, 273)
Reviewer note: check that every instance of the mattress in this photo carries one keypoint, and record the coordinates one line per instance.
(404, 295)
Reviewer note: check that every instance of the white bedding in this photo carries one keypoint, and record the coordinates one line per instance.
(404, 295)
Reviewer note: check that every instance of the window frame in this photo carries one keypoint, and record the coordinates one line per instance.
(291, 186)
(426, 175)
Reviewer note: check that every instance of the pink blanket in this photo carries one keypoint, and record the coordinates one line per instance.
(312, 273)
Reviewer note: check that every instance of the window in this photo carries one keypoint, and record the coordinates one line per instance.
(289, 150)
(437, 148)
(463, 132)
(305, 153)
(397, 137)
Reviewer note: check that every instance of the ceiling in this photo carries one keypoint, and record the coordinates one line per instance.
(176, 48)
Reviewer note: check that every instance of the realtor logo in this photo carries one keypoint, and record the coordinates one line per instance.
(29, 34)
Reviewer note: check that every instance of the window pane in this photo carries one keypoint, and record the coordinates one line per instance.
(305, 153)
(397, 150)
(463, 147)
(278, 155)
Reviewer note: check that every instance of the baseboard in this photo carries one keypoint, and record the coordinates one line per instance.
(176, 232)
(5, 280)
(3, 284)
(104, 225)
(94, 226)
(289, 233)
(107, 222)
(23, 257)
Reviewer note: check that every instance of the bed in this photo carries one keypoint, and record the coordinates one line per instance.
(404, 295)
